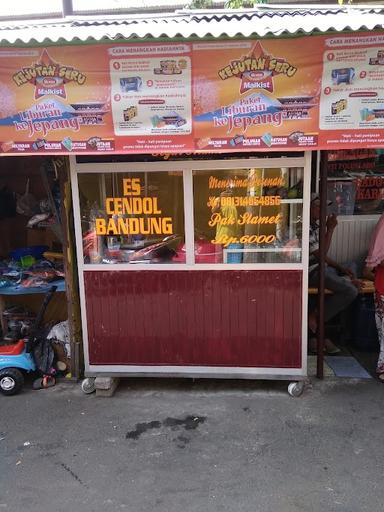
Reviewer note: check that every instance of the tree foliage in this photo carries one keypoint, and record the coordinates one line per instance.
(229, 4)
(238, 4)
(201, 4)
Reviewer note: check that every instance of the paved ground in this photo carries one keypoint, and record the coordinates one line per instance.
(171, 446)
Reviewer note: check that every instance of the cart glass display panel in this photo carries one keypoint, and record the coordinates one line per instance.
(248, 215)
(132, 217)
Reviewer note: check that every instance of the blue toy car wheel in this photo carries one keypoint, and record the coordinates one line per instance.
(11, 381)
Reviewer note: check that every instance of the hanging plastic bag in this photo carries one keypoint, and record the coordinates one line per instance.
(60, 334)
(26, 204)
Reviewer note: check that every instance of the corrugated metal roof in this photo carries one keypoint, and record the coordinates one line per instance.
(260, 22)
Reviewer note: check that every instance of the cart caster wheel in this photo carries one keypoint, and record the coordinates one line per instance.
(295, 389)
(88, 385)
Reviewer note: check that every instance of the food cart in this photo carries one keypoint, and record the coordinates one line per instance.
(181, 304)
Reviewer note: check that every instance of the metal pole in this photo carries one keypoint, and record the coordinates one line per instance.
(66, 8)
(322, 255)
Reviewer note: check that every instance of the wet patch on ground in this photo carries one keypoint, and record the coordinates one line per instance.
(190, 422)
(141, 428)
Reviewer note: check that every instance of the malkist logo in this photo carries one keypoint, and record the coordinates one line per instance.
(256, 70)
(48, 77)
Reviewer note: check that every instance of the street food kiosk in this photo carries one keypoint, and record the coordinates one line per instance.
(190, 163)
(194, 268)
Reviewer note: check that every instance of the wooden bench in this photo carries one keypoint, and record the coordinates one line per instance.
(368, 287)
(342, 321)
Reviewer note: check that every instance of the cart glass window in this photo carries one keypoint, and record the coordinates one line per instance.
(132, 217)
(248, 215)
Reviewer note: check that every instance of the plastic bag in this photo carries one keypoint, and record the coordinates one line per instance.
(26, 204)
(60, 334)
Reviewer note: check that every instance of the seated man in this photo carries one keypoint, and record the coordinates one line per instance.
(339, 280)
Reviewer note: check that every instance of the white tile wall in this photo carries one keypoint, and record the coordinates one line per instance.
(351, 238)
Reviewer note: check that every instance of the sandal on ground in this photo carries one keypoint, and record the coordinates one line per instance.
(44, 382)
(329, 347)
(380, 376)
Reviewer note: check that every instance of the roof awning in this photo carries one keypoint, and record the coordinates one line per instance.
(259, 22)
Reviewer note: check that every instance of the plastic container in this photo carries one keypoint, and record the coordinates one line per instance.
(27, 261)
(364, 333)
(126, 255)
(205, 252)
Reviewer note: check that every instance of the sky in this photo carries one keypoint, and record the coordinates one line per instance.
(33, 7)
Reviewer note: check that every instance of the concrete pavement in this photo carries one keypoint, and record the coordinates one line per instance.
(183, 446)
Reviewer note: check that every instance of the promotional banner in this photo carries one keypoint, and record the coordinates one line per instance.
(55, 100)
(96, 99)
(256, 95)
(263, 95)
(352, 99)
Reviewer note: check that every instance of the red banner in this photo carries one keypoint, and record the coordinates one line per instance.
(316, 92)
